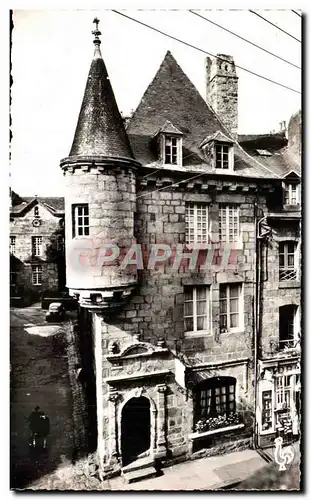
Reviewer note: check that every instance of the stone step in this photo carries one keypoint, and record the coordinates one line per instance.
(139, 474)
(140, 463)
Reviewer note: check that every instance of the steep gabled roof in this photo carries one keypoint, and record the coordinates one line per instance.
(172, 96)
(168, 128)
(217, 136)
(100, 129)
(55, 205)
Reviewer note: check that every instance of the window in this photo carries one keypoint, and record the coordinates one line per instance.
(36, 211)
(197, 309)
(172, 150)
(37, 275)
(222, 156)
(266, 414)
(263, 152)
(283, 392)
(12, 244)
(229, 227)
(13, 278)
(288, 261)
(37, 246)
(231, 307)
(60, 244)
(196, 223)
(81, 220)
(288, 326)
(292, 194)
(215, 396)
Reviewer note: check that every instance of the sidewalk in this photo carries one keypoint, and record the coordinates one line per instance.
(202, 474)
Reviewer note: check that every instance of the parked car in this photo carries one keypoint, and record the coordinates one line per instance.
(56, 312)
(70, 303)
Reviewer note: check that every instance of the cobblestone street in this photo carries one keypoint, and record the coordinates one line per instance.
(38, 377)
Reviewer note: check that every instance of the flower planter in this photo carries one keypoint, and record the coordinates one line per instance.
(198, 435)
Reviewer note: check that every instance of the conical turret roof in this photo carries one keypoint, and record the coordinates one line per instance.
(100, 129)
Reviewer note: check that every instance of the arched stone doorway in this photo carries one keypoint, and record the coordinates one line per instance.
(135, 429)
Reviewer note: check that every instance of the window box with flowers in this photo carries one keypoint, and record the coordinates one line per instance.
(216, 408)
(217, 425)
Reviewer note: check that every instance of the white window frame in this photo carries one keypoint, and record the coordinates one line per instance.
(81, 220)
(226, 208)
(36, 277)
(230, 156)
(195, 316)
(286, 272)
(195, 232)
(12, 245)
(296, 327)
(240, 326)
(169, 138)
(288, 198)
(37, 246)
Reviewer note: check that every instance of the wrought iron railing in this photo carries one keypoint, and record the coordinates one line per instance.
(289, 344)
(287, 274)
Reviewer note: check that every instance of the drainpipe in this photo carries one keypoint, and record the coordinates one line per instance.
(256, 315)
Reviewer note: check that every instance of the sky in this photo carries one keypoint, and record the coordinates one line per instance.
(52, 52)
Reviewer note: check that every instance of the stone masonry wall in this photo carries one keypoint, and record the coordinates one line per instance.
(110, 195)
(156, 310)
(23, 229)
(276, 293)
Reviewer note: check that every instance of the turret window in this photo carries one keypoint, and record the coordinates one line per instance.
(80, 219)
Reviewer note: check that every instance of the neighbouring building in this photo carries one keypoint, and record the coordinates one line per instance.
(279, 287)
(36, 247)
(180, 349)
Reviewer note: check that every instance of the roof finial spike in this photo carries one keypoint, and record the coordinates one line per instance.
(96, 32)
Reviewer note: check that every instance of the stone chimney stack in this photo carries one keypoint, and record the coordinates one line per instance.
(294, 134)
(222, 90)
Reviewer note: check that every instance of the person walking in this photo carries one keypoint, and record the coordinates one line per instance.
(34, 424)
(39, 425)
(44, 428)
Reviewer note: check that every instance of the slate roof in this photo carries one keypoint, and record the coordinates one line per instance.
(172, 96)
(56, 205)
(100, 128)
(282, 160)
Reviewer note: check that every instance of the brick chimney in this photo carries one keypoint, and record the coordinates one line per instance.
(222, 90)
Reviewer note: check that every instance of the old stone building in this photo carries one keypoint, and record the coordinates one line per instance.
(167, 254)
(279, 287)
(36, 247)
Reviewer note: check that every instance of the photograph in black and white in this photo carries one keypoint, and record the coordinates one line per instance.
(155, 250)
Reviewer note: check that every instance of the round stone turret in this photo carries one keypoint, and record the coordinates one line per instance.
(100, 196)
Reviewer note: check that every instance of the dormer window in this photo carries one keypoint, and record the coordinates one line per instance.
(171, 150)
(169, 143)
(292, 194)
(219, 151)
(291, 188)
(222, 156)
